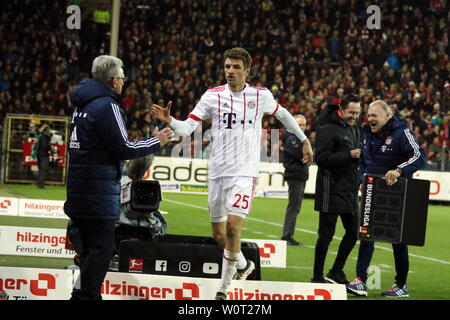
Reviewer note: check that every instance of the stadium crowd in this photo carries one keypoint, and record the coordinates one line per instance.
(306, 52)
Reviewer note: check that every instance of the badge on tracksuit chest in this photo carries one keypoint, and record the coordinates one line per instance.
(387, 145)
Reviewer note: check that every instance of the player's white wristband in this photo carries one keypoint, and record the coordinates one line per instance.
(183, 128)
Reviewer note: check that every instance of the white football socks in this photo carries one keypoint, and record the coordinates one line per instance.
(229, 262)
(242, 262)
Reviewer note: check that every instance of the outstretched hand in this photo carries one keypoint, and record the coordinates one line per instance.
(162, 114)
(391, 177)
(308, 154)
(163, 136)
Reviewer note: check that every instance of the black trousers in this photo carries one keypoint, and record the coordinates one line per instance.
(97, 238)
(401, 259)
(327, 227)
(296, 191)
(44, 168)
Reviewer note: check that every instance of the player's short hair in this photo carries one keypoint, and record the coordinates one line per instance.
(105, 68)
(383, 105)
(347, 99)
(239, 53)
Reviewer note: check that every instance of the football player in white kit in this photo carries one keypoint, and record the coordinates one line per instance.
(236, 110)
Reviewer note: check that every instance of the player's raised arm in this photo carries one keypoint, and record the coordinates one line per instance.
(289, 122)
(275, 109)
(162, 114)
(180, 128)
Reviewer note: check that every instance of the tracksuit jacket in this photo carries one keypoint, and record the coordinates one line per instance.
(395, 147)
(98, 145)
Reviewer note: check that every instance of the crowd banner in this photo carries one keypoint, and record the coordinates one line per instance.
(54, 284)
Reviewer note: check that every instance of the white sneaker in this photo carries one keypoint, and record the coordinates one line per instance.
(244, 273)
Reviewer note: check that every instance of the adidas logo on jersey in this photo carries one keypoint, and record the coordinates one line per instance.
(74, 144)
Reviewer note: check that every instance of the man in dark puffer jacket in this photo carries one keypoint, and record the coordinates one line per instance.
(97, 147)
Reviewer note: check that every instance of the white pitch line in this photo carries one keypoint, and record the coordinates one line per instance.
(308, 231)
(299, 267)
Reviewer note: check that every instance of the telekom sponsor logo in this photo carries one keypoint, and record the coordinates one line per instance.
(39, 287)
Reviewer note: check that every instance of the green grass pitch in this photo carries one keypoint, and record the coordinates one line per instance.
(187, 215)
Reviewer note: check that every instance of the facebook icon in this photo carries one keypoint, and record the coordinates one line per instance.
(161, 265)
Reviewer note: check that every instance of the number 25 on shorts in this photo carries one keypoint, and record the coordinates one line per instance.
(241, 201)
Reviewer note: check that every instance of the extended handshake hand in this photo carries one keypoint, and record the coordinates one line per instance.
(162, 114)
(163, 136)
(308, 154)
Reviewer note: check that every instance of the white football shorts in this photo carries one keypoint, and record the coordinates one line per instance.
(230, 195)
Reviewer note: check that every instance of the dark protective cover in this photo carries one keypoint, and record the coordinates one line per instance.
(181, 255)
(394, 214)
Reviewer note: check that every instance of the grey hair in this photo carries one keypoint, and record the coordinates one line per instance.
(104, 68)
(383, 105)
(299, 116)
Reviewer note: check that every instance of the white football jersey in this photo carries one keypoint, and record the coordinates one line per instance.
(236, 128)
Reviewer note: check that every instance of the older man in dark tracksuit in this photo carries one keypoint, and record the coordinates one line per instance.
(295, 173)
(337, 153)
(97, 147)
(388, 148)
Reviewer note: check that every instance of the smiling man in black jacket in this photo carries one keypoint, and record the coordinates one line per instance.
(338, 151)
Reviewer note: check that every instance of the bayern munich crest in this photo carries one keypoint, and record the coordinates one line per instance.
(388, 140)
(251, 104)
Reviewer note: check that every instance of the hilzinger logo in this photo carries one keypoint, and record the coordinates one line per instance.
(240, 294)
(5, 204)
(368, 202)
(188, 291)
(16, 284)
(40, 238)
(264, 253)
